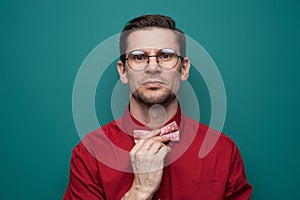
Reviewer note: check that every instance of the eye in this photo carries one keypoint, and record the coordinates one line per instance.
(139, 57)
(165, 55)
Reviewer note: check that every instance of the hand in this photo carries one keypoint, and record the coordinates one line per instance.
(147, 160)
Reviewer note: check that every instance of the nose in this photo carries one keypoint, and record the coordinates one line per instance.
(153, 65)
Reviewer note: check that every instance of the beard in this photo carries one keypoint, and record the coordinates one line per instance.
(163, 99)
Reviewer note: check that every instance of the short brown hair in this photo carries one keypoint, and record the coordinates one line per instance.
(146, 21)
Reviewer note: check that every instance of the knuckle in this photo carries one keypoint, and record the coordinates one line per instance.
(158, 143)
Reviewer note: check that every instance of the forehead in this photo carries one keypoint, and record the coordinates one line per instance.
(152, 38)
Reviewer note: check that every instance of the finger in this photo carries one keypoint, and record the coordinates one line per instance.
(165, 138)
(160, 157)
(138, 145)
(146, 144)
(143, 145)
(143, 138)
(155, 147)
(163, 151)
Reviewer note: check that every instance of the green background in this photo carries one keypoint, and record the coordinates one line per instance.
(255, 45)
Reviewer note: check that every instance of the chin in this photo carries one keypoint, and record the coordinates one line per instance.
(162, 98)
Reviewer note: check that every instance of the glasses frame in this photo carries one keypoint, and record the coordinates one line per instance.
(149, 56)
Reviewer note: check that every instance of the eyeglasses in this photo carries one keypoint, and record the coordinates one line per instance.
(138, 60)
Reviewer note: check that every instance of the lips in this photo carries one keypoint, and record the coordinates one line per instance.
(152, 84)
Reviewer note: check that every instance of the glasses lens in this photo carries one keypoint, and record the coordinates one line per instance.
(167, 58)
(137, 60)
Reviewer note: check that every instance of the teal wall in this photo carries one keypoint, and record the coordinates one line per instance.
(255, 45)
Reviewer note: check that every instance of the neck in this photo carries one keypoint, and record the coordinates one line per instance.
(154, 116)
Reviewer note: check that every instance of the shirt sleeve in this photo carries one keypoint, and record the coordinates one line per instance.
(237, 186)
(85, 180)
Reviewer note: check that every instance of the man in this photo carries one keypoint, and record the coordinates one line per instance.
(138, 156)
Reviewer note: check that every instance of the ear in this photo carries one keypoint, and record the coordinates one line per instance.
(122, 72)
(185, 70)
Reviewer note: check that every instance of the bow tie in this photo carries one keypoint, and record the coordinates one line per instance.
(170, 130)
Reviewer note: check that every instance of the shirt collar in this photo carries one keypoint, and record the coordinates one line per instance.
(129, 123)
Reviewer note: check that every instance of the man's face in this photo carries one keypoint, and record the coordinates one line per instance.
(153, 85)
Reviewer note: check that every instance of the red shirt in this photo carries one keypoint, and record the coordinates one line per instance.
(100, 165)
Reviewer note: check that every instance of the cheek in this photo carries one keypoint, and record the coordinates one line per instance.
(175, 82)
(176, 86)
(133, 82)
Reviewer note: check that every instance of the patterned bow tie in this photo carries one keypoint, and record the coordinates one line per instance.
(170, 130)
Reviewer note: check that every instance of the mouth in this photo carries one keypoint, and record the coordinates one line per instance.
(153, 84)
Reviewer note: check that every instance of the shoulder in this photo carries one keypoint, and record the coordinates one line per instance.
(105, 132)
(208, 138)
(108, 139)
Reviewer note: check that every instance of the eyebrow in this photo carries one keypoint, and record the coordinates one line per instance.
(147, 50)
